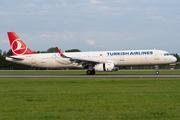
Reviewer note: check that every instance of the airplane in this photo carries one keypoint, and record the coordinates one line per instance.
(93, 61)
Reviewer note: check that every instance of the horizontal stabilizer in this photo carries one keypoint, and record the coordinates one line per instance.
(15, 58)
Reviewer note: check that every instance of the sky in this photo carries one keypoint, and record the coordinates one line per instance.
(92, 25)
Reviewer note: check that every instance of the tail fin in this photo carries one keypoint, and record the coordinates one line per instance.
(17, 45)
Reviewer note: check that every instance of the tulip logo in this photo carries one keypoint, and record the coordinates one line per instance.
(18, 47)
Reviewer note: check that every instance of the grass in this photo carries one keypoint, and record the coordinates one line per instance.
(84, 72)
(90, 98)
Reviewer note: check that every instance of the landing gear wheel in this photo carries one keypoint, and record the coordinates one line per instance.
(92, 72)
(157, 72)
(88, 72)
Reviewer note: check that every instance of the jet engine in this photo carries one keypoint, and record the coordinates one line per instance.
(105, 67)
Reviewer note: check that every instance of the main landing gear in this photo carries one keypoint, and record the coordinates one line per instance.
(90, 72)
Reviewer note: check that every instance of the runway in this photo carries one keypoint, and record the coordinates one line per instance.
(85, 76)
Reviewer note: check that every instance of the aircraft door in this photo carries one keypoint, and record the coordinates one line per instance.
(156, 55)
(33, 60)
(121, 57)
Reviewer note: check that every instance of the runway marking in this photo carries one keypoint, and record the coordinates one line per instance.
(85, 76)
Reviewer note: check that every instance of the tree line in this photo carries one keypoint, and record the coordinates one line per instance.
(7, 65)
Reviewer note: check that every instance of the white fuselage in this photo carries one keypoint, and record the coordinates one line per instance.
(119, 58)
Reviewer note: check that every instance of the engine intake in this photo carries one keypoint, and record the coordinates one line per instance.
(105, 67)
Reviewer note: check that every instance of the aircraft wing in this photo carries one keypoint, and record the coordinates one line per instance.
(78, 60)
(84, 60)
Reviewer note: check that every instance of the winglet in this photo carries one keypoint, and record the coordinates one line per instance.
(61, 54)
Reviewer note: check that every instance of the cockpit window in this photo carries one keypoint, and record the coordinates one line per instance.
(167, 54)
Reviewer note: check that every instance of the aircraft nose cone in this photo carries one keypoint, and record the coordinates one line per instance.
(174, 59)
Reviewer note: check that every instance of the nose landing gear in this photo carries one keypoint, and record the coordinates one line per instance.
(157, 72)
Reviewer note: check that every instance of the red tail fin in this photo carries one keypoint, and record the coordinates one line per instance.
(17, 45)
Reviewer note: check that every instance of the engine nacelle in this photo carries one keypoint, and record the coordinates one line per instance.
(105, 67)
